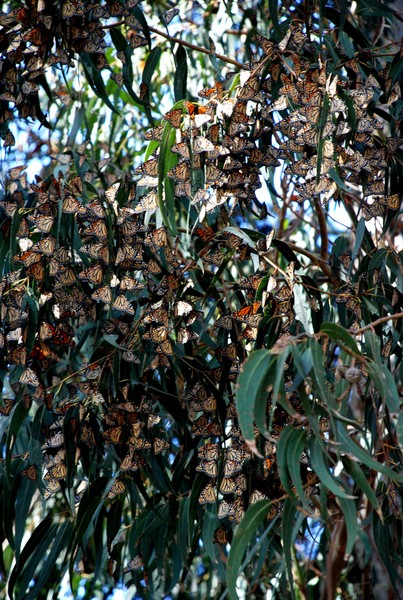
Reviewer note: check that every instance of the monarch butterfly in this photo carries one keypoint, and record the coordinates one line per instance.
(181, 172)
(129, 284)
(227, 486)
(92, 372)
(229, 352)
(123, 305)
(159, 445)
(155, 133)
(30, 377)
(102, 294)
(52, 487)
(205, 427)
(30, 472)
(118, 487)
(220, 536)
(250, 89)
(7, 406)
(150, 167)
(224, 321)
(182, 308)
(164, 348)
(87, 436)
(256, 496)
(18, 355)
(231, 467)
(156, 334)
(97, 229)
(71, 205)
(112, 435)
(149, 202)
(209, 452)
(185, 335)
(156, 314)
(55, 441)
(202, 144)
(268, 47)
(45, 246)
(208, 495)
(92, 274)
(27, 258)
(58, 471)
(153, 420)
(174, 117)
(212, 92)
(169, 15)
(134, 564)
(181, 148)
(208, 467)
(157, 238)
(214, 258)
(42, 223)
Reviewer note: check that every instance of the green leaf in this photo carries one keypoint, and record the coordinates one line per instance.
(287, 538)
(347, 444)
(385, 384)
(362, 482)
(152, 62)
(181, 74)
(95, 81)
(249, 386)
(32, 553)
(167, 160)
(336, 332)
(254, 517)
(350, 515)
(319, 371)
(321, 468)
(61, 541)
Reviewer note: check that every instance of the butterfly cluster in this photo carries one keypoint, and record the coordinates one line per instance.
(40, 34)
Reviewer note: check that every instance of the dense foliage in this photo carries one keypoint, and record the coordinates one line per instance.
(201, 365)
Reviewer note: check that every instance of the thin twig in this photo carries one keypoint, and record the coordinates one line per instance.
(319, 262)
(176, 40)
(375, 323)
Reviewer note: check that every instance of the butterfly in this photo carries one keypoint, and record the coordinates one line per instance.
(57, 471)
(149, 203)
(6, 406)
(135, 564)
(118, 487)
(205, 427)
(92, 274)
(208, 495)
(122, 304)
(155, 133)
(159, 445)
(256, 496)
(97, 229)
(150, 167)
(220, 536)
(229, 351)
(209, 452)
(185, 335)
(129, 284)
(202, 144)
(156, 334)
(29, 377)
(102, 294)
(42, 223)
(180, 173)
(157, 238)
(164, 347)
(174, 117)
